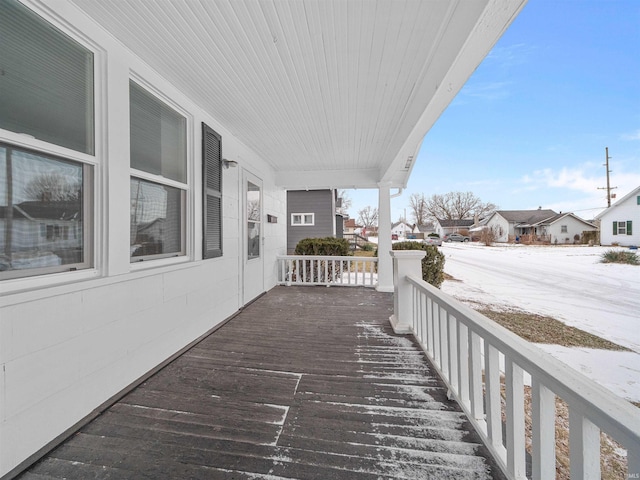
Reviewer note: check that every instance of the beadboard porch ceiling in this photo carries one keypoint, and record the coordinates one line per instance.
(331, 93)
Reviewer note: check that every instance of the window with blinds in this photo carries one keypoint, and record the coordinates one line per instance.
(211, 193)
(46, 81)
(46, 94)
(158, 177)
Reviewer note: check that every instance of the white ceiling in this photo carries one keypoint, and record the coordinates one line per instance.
(331, 93)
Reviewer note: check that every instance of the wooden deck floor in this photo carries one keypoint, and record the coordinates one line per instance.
(306, 383)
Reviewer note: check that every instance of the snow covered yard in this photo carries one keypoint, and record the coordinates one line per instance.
(567, 283)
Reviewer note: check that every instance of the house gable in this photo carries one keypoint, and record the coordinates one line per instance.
(620, 223)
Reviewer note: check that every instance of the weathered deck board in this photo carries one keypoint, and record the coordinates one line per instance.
(306, 383)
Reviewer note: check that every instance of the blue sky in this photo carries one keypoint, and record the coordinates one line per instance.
(531, 125)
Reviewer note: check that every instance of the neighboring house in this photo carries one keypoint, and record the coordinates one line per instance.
(508, 224)
(43, 233)
(620, 223)
(351, 226)
(566, 228)
(442, 226)
(403, 229)
(311, 214)
(426, 229)
(545, 225)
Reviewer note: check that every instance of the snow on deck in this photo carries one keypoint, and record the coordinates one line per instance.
(305, 383)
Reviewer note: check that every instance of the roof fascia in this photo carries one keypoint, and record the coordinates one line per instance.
(633, 192)
(491, 25)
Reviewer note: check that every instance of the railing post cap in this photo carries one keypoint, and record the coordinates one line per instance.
(407, 253)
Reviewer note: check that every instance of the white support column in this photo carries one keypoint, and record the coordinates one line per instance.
(385, 267)
(405, 262)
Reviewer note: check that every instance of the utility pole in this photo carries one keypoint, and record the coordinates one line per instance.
(608, 188)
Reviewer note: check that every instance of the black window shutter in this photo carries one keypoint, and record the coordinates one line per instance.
(615, 228)
(211, 193)
(629, 227)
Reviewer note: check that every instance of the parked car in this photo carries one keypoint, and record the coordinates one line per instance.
(456, 237)
(433, 239)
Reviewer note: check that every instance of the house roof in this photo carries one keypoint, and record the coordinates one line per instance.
(526, 216)
(351, 223)
(35, 210)
(460, 222)
(395, 224)
(635, 191)
(560, 216)
(329, 93)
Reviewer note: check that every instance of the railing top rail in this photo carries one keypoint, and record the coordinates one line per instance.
(611, 413)
(326, 257)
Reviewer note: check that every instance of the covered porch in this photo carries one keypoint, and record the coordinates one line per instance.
(306, 382)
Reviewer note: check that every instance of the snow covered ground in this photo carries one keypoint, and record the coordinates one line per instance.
(567, 283)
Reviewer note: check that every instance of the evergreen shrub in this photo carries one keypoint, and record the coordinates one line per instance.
(432, 263)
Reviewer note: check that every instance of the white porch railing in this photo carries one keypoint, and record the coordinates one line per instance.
(468, 350)
(325, 270)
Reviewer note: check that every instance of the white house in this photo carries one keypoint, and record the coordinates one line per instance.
(403, 229)
(545, 225)
(181, 125)
(620, 223)
(566, 228)
(445, 226)
(507, 224)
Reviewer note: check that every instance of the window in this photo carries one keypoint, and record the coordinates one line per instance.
(211, 193)
(46, 85)
(305, 219)
(254, 215)
(622, 228)
(46, 93)
(563, 229)
(158, 179)
(45, 213)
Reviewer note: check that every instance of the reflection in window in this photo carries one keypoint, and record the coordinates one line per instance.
(253, 220)
(156, 219)
(43, 210)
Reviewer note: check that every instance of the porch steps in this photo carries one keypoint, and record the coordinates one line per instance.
(306, 383)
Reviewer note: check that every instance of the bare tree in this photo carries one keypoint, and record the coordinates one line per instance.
(368, 217)
(490, 234)
(345, 203)
(52, 187)
(457, 205)
(419, 211)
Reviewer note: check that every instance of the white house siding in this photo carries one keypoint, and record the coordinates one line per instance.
(70, 341)
(574, 227)
(626, 209)
(500, 224)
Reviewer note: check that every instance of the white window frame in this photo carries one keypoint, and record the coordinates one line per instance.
(303, 222)
(622, 228)
(93, 225)
(186, 212)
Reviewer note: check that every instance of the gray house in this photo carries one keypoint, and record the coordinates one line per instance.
(312, 214)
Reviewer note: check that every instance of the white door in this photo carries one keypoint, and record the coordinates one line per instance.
(253, 256)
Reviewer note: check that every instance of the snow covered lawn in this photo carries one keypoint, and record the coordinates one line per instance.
(567, 283)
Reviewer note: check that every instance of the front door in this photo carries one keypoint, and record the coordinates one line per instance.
(253, 255)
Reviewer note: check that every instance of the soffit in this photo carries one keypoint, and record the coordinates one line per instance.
(328, 92)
